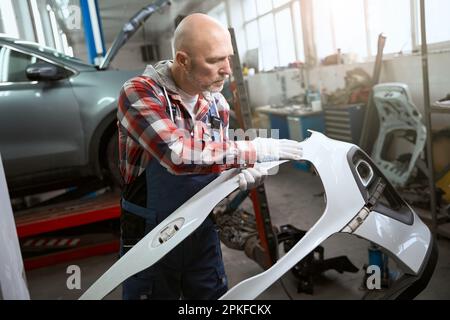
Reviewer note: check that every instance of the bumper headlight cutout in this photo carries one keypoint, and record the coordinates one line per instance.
(365, 172)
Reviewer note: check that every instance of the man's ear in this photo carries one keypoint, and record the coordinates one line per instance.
(183, 59)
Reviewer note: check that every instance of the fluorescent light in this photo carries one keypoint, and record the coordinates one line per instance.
(4, 54)
(65, 44)
(55, 31)
(9, 18)
(70, 51)
(38, 22)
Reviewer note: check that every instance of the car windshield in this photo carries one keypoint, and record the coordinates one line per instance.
(51, 51)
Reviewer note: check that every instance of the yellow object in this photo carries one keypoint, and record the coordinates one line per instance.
(444, 185)
(245, 71)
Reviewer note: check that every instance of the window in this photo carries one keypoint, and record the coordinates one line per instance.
(437, 21)
(13, 65)
(349, 26)
(263, 6)
(274, 28)
(323, 29)
(268, 42)
(356, 26)
(298, 30)
(285, 36)
(251, 29)
(249, 8)
(8, 21)
(278, 3)
(219, 13)
(339, 26)
(353, 26)
(393, 18)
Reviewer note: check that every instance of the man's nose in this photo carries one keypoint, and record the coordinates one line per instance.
(226, 68)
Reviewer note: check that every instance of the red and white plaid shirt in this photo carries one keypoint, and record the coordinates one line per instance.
(146, 130)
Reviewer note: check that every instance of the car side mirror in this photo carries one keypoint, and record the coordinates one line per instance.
(44, 71)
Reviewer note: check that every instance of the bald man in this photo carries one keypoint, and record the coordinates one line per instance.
(173, 141)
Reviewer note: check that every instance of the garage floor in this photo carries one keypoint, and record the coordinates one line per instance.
(294, 198)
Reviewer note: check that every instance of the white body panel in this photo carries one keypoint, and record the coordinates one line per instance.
(149, 250)
(13, 285)
(344, 208)
(344, 201)
(408, 247)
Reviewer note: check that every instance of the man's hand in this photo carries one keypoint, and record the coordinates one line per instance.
(268, 149)
(251, 178)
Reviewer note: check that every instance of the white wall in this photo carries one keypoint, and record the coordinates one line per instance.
(267, 88)
(129, 57)
(332, 77)
(165, 46)
(409, 70)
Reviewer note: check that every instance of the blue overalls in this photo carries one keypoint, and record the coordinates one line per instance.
(194, 268)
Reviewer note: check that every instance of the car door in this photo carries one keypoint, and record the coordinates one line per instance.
(40, 126)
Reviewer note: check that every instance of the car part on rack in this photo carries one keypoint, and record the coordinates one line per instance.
(398, 117)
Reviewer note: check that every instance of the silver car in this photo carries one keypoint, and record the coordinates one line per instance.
(57, 117)
(58, 114)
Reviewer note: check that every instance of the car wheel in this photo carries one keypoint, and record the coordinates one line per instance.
(112, 161)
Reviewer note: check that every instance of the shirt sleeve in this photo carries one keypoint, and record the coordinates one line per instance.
(142, 112)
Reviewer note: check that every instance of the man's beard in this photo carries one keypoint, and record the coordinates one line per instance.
(211, 87)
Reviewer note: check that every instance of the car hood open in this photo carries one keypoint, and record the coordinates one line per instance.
(130, 28)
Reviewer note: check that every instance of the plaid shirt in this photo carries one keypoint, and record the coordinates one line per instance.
(146, 131)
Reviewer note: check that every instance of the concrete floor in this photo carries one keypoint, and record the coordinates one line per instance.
(294, 198)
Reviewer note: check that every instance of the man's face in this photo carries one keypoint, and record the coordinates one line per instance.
(210, 67)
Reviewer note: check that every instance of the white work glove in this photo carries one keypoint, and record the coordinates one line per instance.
(251, 178)
(269, 149)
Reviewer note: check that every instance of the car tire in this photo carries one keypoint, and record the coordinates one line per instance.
(112, 161)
